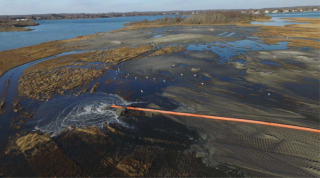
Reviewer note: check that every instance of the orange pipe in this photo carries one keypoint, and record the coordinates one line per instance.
(222, 118)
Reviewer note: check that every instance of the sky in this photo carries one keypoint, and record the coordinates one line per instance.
(24, 7)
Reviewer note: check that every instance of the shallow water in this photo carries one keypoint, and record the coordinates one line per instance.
(158, 36)
(270, 63)
(282, 22)
(234, 48)
(310, 14)
(277, 21)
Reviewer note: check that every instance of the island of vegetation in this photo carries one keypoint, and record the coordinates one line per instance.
(209, 18)
(14, 25)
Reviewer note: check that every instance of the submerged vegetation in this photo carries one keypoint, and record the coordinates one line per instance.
(205, 18)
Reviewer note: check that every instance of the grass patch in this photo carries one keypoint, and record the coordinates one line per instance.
(10, 25)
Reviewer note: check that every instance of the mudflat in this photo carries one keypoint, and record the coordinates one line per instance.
(262, 73)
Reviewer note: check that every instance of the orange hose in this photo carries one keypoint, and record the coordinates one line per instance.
(222, 118)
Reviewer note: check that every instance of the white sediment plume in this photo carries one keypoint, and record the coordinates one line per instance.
(53, 117)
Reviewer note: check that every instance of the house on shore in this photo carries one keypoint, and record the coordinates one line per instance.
(275, 11)
(266, 12)
(256, 12)
(21, 19)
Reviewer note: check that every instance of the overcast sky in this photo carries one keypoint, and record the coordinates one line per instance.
(20, 7)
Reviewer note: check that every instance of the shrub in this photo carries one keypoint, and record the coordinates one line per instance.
(217, 17)
(205, 18)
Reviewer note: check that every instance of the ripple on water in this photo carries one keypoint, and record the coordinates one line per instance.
(87, 110)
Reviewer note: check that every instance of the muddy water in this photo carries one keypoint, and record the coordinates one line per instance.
(55, 116)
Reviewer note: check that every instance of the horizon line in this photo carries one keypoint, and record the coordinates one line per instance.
(167, 10)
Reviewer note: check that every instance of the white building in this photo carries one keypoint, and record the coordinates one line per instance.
(266, 12)
(285, 11)
(275, 11)
(315, 9)
(23, 20)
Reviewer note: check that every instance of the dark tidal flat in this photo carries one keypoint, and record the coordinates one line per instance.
(56, 118)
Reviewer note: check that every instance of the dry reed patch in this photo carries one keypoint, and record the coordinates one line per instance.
(62, 74)
(13, 58)
(13, 29)
(45, 157)
(45, 84)
(294, 42)
(304, 19)
(262, 20)
(274, 34)
(168, 50)
(12, 25)
(31, 144)
(51, 77)
(289, 31)
(142, 26)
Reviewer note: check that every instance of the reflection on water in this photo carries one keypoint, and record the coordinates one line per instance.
(234, 48)
(158, 36)
(51, 30)
(312, 14)
(278, 21)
